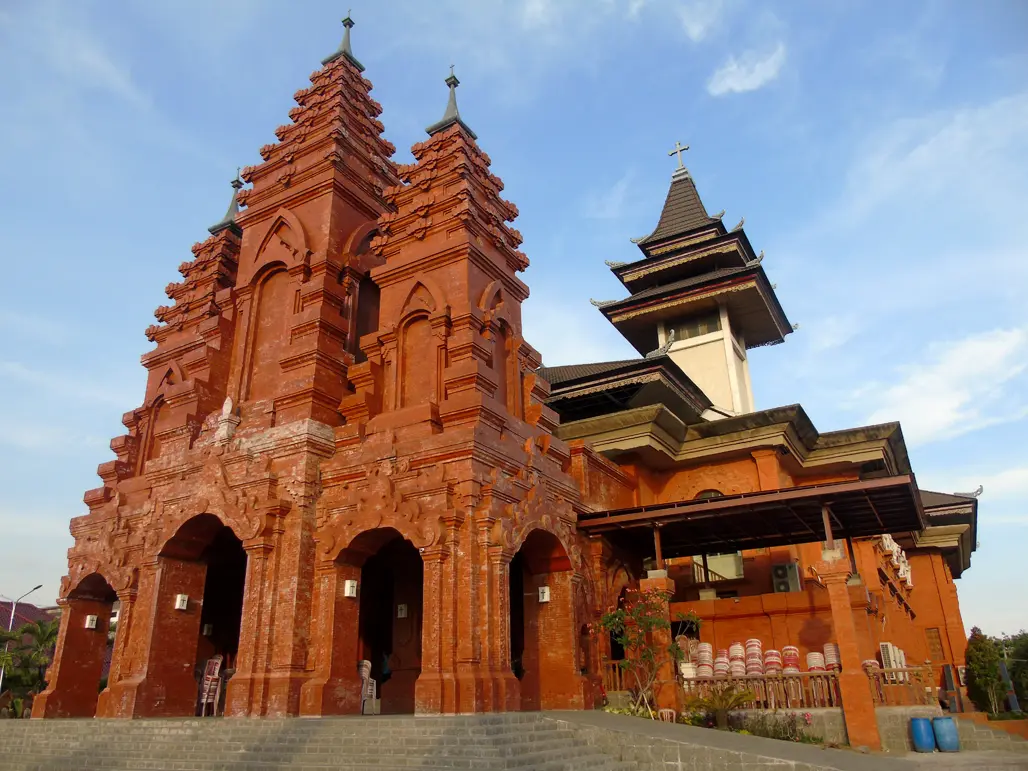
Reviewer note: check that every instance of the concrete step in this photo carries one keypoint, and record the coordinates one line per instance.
(522, 741)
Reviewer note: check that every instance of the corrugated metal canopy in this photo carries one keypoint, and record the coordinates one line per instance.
(771, 518)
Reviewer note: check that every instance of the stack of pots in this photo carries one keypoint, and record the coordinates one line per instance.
(773, 662)
(754, 657)
(815, 662)
(722, 664)
(790, 659)
(736, 659)
(832, 660)
(704, 660)
(687, 669)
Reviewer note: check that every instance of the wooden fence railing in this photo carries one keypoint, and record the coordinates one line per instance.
(910, 686)
(803, 690)
(613, 677)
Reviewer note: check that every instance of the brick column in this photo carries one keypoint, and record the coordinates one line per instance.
(336, 685)
(666, 691)
(434, 692)
(857, 706)
(72, 680)
(244, 692)
(119, 656)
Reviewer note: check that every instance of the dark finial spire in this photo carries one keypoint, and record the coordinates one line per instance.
(452, 114)
(344, 47)
(229, 220)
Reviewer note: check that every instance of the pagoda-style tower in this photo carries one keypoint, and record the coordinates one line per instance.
(342, 466)
(701, 294)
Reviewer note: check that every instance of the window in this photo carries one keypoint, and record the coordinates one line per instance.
(696, 326)
(703, 495)
(935, 652)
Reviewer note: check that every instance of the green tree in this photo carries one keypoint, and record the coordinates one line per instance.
(1014, 651)
(635, 627)
(35, 654)
(984, 683)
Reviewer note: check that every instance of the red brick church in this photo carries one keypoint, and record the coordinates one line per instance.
(348, 452)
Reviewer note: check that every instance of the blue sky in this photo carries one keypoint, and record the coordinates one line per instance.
(880, 160)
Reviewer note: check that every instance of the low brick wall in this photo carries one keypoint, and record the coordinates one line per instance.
(655, 746)
(894, 726)
(826, 723)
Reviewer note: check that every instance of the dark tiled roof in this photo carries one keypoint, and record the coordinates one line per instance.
(685, 283)
(558, 375)
(683, 210)
(931, 499)
(25, 613)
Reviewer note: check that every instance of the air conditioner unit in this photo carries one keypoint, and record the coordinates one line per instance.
(90, 622)
(349, 588)
(181, 602)
(885, 649)
(786, 577)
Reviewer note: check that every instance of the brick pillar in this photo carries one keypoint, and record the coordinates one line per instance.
(434, 692)
(857, 706)
(556, 643)
(244, 692)
(106, 705)
(73, 679)
(335, 687)
(666, 691)
(506, 688)
(163, 643)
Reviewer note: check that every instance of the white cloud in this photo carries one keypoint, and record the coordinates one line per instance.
(34, 327)
(67, 386)
(962, 386)
(752, 70)
(830, 333)
(963, 157)
(609, 204)
(700, 17)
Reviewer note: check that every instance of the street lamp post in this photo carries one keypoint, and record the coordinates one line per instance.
(10, 627)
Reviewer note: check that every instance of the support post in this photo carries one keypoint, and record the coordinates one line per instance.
(826, 518)
(857, 705)
(657, 549)
(666, 691)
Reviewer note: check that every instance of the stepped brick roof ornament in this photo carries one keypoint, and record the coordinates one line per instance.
(229, 220)
(344, 47)
(683, 210)
(452, 114)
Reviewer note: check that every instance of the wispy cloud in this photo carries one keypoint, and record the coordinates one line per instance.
(751, 71)
(609, 204)
(31, 326)
(957, 157)
(698, 18)
(49, 439)
(961, 386)
(68, 386)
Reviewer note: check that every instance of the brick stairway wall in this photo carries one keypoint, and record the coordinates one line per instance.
(474, 742)
(977, 732)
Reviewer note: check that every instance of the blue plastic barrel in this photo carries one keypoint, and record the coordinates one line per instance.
(946, 734)
(922, 734)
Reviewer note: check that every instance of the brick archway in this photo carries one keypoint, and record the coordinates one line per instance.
(544, 633)
(73, 687)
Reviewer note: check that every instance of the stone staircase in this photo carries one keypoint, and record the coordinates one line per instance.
(978, 733)
(514, 741)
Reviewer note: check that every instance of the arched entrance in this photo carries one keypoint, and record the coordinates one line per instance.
(200, 608)
(390, 615)
(544, 642)
(83, 645)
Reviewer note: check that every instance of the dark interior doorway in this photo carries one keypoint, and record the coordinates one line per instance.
(390, 622)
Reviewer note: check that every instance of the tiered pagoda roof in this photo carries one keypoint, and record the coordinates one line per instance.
(691, 263)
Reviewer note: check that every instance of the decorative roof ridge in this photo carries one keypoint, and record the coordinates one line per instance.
(683, 208)
(451, 115)
(229, 220)
(344, 49)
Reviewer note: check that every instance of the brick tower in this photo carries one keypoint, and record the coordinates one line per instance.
(342, 453)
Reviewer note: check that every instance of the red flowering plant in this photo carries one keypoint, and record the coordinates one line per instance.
(634, 626)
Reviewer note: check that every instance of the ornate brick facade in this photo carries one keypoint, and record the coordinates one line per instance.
(340, 392)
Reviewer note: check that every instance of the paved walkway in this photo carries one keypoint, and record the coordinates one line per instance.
(978, 761)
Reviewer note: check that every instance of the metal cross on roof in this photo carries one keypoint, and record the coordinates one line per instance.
(679, 149)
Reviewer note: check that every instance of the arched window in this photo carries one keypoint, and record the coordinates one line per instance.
(703, 495)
